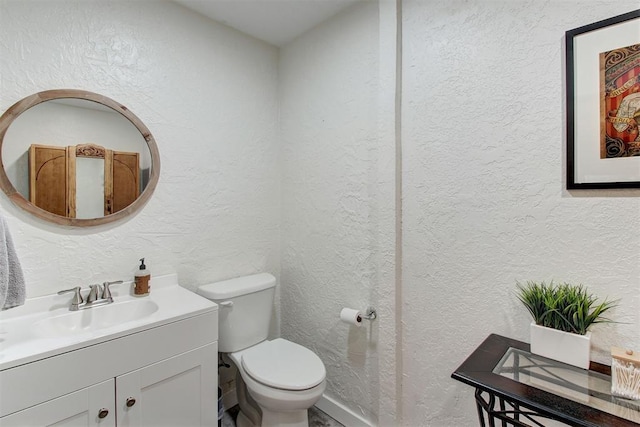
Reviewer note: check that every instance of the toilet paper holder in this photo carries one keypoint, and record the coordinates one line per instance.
(370, 314)
(355, 317)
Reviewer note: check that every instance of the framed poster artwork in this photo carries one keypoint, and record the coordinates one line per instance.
(603, 103)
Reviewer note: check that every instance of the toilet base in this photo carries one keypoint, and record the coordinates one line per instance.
(243, 421)
(276, 419)
(285, 419)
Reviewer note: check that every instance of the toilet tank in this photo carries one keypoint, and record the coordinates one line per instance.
(245, 308)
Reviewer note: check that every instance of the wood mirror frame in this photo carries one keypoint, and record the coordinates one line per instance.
(30, 101)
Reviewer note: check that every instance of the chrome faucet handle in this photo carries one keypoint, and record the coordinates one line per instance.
(93, 293)
(77, 297)
(106, 292)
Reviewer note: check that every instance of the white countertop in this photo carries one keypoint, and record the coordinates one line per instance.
(22, 340)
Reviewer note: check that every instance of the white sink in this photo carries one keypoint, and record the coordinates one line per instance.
(93, 319)
(44, 326)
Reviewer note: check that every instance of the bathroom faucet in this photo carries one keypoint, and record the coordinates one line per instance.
(77, 297)
(93, 293)
(98, 295)
(106, 292)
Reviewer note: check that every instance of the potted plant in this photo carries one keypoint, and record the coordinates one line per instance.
(562, 315)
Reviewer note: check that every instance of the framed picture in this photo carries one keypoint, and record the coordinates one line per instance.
(603, 103)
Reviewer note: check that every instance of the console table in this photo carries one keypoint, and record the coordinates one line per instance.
(518, 388)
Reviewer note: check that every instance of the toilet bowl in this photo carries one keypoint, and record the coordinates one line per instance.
(283, 378)
(277, 380)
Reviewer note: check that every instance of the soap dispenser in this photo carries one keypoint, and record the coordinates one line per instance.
(142, 277)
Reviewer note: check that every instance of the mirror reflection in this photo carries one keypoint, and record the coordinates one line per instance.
(44, 158)
(76, 158)
(90, 184)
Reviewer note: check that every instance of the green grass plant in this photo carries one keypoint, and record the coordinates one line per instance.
(566, 307)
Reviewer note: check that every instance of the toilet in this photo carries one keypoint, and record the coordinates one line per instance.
(277, 380)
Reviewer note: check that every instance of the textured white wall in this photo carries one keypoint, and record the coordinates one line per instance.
(209, 96)
(483, 191)
(329, 85)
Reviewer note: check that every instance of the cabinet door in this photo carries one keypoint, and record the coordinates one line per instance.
(81, 408)
(48, 173)
(180, 391)
(126, 180)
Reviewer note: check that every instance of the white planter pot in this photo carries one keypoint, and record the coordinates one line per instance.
(562, 346)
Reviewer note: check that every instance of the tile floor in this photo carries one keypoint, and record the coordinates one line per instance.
(317, 418)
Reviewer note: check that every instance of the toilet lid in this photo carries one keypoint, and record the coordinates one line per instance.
(284, 365)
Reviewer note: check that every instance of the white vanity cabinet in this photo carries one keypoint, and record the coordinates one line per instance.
(164, 374)
(80, 408)
(174, 392)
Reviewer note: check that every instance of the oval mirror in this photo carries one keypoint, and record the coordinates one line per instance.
(76, 158)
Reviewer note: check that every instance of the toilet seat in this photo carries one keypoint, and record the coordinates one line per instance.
(283, 365)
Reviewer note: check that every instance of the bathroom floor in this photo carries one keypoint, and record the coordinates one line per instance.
(317, 418)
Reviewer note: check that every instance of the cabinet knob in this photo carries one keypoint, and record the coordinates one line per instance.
(130, 402)
(102, 413)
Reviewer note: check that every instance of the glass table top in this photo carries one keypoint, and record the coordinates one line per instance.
(579, 385)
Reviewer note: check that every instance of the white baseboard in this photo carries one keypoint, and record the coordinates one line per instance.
(341, 413)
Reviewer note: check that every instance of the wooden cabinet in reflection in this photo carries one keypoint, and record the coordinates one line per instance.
(48, 176)
(54, 178)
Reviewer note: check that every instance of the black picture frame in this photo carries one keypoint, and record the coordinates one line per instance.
(594, 161)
